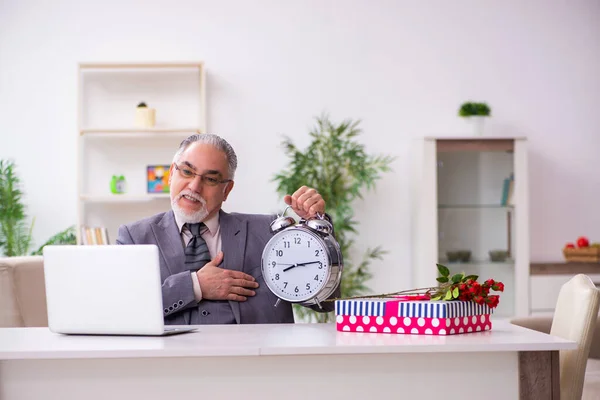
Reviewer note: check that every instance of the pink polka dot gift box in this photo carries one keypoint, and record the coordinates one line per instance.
(420, 317)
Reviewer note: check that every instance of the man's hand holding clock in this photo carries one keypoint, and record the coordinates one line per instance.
(306, 202)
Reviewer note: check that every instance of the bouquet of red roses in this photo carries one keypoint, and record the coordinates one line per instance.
(465, 288)
(456, 287)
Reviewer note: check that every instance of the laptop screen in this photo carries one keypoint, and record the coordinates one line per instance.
(109, 289)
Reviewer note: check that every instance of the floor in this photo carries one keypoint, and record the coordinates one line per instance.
(591, 385)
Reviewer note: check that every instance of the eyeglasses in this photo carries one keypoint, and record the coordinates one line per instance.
(206, 179)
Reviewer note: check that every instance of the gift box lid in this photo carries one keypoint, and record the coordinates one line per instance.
(401, 308)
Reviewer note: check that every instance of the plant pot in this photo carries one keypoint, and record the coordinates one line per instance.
(476, 124)
(145, 117)
(498, 255)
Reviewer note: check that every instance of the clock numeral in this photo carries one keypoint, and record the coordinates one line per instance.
(284, 285)
(296, 289)
(276, 277)
(316, 277)
(308, 243)
(317, 253)
(286, 245)
(320, 265)
(308, 286)
(273, 263)
(279, 253)
(297, 240)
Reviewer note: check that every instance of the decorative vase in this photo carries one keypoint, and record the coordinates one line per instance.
(145, 117)
(477, 123)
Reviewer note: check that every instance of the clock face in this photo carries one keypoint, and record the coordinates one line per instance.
(295, 265)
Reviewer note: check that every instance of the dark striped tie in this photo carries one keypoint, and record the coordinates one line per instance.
(196, 252)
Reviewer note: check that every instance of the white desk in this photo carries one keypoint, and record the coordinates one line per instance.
(276, 361)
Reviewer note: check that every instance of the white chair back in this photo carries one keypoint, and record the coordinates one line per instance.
(575, 319)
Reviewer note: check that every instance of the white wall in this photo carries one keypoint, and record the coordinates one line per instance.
(403, 67)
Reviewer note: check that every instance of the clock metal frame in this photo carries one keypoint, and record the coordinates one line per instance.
(325, 240)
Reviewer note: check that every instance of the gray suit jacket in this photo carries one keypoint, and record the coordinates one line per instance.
(243, 237)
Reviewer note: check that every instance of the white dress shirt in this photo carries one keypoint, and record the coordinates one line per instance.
(211, 234)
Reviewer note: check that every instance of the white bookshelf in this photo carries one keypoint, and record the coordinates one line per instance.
(110, 144)
(457, 206)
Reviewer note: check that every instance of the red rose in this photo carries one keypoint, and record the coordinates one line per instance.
(492, 301)
(499, 287)
(490, 282)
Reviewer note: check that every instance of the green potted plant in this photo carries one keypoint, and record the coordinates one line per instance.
(340, 169)
(15, 230)
(475, 113)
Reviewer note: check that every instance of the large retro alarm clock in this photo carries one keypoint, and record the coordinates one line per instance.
(302, 262)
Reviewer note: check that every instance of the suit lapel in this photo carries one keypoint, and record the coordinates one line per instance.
(233, 243)
(169, 241)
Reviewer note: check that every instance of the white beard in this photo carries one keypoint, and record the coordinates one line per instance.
(184, 216)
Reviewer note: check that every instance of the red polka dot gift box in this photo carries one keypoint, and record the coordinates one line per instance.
(420, 317)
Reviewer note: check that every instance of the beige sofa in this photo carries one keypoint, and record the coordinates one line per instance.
(22, 292)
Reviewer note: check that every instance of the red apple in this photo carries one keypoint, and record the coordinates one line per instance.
(569, 246)
(582, 241)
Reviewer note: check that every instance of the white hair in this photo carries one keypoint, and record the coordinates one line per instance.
(213, 140)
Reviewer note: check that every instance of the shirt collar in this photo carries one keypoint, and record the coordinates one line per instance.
(212, 223)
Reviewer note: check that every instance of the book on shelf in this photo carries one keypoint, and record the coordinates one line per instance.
(91, 235)
(508, 188)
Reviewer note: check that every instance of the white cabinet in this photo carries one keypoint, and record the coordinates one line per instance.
(110, 144)
(546, 284)
(458, 211)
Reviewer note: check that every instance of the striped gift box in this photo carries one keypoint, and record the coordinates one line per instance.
(397, 308)
(422, 317)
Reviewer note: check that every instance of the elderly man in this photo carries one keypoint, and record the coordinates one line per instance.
(211, 260)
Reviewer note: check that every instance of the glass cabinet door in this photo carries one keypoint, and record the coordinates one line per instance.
(475, 217)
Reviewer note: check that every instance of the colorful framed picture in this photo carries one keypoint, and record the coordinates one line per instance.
(158, 178)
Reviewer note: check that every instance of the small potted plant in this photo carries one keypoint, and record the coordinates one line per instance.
(145, 117)
(475, 113)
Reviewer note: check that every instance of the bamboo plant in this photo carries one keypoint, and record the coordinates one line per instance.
(339, 168)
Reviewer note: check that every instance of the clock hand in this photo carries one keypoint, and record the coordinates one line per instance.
(301, 265)
(288, 268)
(307, 263)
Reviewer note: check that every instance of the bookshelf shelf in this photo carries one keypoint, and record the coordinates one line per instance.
(479, 263)
(474, 207)
(123, 198)
(142, 66)
(149, 132)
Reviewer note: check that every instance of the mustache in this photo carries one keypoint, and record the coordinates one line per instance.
(191, 194)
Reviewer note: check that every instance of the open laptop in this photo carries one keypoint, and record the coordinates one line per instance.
(105, 290)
